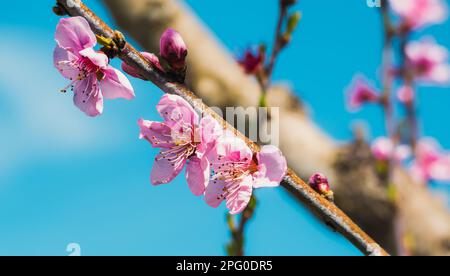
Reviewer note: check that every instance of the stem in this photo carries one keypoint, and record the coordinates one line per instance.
(278, 44)
(408, 79)
(324, 209)
(236, 245)
(387, 78)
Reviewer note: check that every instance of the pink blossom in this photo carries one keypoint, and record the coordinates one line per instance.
(237, 172)
(384, 149)
(153, 59)
(319, 182)
(429, 61)
(251, 62)
(173, 49)
(91, 76)
(361, 93)
(419, 13)
(184, 139)
(431, 162)
(405, 94)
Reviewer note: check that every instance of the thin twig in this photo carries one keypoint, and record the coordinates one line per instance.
(387, 77)
(278, 43)
(324, 209)
(408, 81)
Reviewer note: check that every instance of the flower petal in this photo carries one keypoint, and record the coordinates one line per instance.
(239, 197)
(63, 61)
(197, 175)
(164, 171)
(214, 193)
(99, 59)
(230, 149)
(74, 33)
(210, 131)
(87, 96)
(176, 110)
(158, 134)
(272, 167)
(116, 85)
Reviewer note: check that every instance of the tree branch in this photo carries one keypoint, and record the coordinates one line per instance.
(332, 215)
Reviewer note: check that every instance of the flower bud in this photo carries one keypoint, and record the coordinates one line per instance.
(252, 61)
(319, 182)
(173, 49)
(405, 94)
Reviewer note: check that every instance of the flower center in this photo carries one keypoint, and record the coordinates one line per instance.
(85, 68)
(178, 154)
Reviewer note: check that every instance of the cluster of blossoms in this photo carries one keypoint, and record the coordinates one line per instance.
(218, 164)
(425, 62)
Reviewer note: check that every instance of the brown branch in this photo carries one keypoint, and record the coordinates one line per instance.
(327, 211)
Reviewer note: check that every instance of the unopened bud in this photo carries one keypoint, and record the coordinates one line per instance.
(173, 49)
(319, 182)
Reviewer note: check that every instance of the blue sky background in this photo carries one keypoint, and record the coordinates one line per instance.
(68, 178)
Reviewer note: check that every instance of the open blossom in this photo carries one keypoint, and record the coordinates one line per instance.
(173, 49)
(91, 76)
(251, 62)
(384, 149)
(153, 59)
(431, 162)
(237, 171)
(184, 139)
(419, 13)
(429, 61)
(361, 93)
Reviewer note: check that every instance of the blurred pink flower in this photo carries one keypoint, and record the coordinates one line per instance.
(173, 49)
(183, 139)
(153, 59)
(237, 172)
(419, 13)
(429, 61)
(361, 93)
(431, 162)
(251, 61)
(91, 76)
(384, 149)
(405, 94)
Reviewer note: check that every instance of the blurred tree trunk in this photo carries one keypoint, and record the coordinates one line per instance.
(218, 80)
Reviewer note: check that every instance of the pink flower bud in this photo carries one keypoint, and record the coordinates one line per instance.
(360, 93)
(251, 61)
(173, 49)
(319, 182)
(405, 94)
(382, 148)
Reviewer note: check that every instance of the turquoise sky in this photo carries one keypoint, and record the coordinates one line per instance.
(66, 178)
